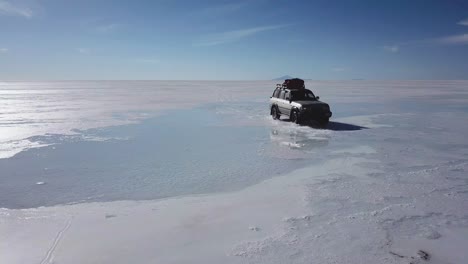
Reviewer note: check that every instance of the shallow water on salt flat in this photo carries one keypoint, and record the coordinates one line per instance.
(181, 152)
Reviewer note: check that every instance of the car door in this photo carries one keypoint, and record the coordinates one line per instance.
(283, 104)
(274, 97)
(287, 103)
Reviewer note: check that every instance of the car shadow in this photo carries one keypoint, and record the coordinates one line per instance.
(338, 126)
(332, 125)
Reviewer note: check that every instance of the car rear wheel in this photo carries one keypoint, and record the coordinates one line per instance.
(274, 113)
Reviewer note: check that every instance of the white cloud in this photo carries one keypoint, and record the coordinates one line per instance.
(235, 35)
(461, 39)
(464, 22)
(3, 50)
(7, 8)
(391, 48)
(82, 50)
(107, 28)
(338, 69)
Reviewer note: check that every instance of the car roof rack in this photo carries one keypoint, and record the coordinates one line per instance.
(292, 84)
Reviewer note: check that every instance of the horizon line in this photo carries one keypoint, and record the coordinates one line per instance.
(214, 80)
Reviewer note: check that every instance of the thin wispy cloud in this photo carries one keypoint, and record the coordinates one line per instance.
(221, 9)
(392, 48)
(461, 39)
(453, 40)
(7, 8)
(107, 28)
(227, 8)
(82, 50)
(338, 69)
(235, 35)
(295, 40)
(148, 60)
(463, 22)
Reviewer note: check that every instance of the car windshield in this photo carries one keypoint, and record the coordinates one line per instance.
(302, 95)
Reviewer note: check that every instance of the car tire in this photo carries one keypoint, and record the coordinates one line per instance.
(275, 113)
(295, 117)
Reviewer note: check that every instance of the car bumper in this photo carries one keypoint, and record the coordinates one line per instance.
(315, 114)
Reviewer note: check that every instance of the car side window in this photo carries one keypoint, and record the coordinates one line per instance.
(276, 93)
(287, 95)
(281, 96)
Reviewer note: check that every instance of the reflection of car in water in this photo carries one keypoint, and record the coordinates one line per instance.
(300, 104)
(297, 140)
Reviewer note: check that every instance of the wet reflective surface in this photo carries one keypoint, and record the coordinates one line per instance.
(181, 152)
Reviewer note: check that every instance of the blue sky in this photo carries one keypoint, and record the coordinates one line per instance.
(233, 40)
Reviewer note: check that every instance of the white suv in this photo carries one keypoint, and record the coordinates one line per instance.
(298, 103)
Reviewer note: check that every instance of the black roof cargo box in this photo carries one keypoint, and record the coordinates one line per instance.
(295, 83)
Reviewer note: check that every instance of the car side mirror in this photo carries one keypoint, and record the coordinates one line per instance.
(317, 97)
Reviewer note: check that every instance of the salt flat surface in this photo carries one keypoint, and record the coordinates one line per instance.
(386, 182)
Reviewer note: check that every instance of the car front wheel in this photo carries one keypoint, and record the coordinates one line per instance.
(295, 117)
(324, 122)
